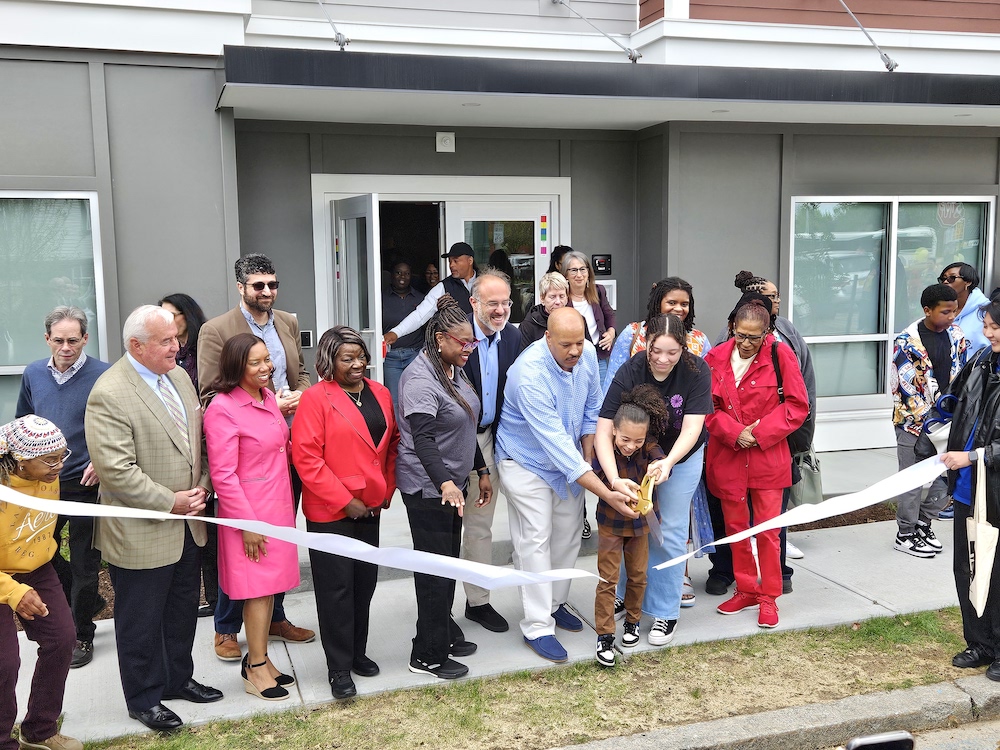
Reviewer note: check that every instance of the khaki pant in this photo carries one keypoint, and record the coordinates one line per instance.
(609, 559)
(477, 523)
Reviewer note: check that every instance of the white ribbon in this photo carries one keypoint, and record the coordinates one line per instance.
(485, 576)
(910, 478)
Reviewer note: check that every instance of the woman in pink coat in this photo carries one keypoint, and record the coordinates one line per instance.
(248, 457)
(748, 464)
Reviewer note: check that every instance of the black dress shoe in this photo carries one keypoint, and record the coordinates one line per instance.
(206, 610)
(364, 667)
(975, 656)
(993, 671)
(488, 617)
(159, 718)
(717, 585)
(342, 686)
(195, 692)
(462, 648)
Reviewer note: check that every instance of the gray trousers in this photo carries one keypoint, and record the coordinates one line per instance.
(913, 506)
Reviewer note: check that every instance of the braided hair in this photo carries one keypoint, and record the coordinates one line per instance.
(669, 325)
(448, 317)
(660, 290)
(747, 282)
(643, 405)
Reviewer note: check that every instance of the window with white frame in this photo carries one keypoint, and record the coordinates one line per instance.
(858, 267)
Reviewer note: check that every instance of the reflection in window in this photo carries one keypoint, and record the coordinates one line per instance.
(46, 259)
(839, 268)
(508, 246)
(849, 368)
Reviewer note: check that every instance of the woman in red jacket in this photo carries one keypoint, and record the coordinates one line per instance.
(748, 464)
(344, 445)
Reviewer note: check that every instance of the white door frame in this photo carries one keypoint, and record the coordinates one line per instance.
(437, 188)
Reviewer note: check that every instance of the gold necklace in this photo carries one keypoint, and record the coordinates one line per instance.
(358, 399)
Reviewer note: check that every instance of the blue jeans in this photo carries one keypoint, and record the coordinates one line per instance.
(602, 369)
(396, 361)
(663, 587)
(229, 612)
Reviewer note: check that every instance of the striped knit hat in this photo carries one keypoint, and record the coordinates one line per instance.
(31, 436)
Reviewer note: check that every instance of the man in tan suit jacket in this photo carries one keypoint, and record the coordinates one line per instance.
(143, 428)
(257, 285)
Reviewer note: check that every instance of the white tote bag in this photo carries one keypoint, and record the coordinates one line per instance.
(982, 541)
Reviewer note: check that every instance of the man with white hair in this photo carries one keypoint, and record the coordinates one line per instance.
(143, 428)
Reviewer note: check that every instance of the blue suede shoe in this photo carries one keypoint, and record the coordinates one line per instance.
(567, 620)
(547, 647)
(948, 514)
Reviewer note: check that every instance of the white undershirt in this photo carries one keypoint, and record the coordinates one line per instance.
(740, 365)
(587, 312)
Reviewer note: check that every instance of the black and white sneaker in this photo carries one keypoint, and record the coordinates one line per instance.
(619, 609)
(449, 670)
(912, 544)
(606, 650)
(630, 638)
(662, 632)
(586, 530)
(923, 530)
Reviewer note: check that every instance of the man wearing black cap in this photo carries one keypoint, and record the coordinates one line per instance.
(462, 265)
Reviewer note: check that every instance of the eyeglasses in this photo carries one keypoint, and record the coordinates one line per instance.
(258, 286)
(747, 337)
(505, 304)
(575, 271)
(58, 462)
(467, 346)
(773, 297)
(72, 342)
(949, 279)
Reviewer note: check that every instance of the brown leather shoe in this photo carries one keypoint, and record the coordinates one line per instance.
(227, 647)
(285, 631)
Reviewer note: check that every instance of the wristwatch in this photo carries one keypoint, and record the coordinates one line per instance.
(973, 456)
(484, 472)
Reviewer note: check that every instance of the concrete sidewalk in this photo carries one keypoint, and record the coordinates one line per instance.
(834, 584)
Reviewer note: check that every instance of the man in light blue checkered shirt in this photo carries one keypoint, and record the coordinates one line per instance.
(544, 444)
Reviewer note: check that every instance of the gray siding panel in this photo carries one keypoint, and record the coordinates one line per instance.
(415, 154)
(729, 216)
(651, 205)
(612, 16)
(166, 164)
(45, 119)
(894, 159)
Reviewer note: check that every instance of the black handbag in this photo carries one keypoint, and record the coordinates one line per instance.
(801, 440)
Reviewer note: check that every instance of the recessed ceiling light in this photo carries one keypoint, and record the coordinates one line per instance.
(719, 111)
(965, 115)
(470, 104)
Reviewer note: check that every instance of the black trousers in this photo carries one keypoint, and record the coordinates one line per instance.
(79, 575)
(435, 528)
(983, 632)
(344, 590)
(156, 612)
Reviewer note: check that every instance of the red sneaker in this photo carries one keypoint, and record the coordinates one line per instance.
(737, 603)
(768, 617)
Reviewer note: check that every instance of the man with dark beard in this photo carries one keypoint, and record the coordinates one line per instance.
(257, 285)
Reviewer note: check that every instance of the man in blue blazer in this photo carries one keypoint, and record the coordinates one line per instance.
(499, 345)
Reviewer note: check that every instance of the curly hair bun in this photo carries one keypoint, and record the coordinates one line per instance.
(742, 279)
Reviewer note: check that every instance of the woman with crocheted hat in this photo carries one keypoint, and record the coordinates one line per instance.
(32, 451)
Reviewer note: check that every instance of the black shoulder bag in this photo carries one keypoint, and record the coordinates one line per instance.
(800, 440)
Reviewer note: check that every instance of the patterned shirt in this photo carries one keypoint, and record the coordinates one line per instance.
(274, 347)
(629, 467)
(633, 340)
(546, 411)
(63, 377)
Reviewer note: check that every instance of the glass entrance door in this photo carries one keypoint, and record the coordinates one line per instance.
(358, 272)
(512, 236)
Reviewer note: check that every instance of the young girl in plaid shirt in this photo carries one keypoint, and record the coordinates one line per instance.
(641, 414)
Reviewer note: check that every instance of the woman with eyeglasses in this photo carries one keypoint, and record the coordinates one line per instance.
(964, 279)
(32, 451)
(344, 446)
(437, 413)
(591, 301)
(748, 464)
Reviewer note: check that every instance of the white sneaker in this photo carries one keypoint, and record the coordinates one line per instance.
(792, 551)
(606, 650)
(619, 609)
(912, 544)
(923, 530)
(630, 638)
(662, 632)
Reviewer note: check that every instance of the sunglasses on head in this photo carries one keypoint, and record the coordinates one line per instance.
(258, 286)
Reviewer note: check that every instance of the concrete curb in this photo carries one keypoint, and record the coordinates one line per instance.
(824, 725)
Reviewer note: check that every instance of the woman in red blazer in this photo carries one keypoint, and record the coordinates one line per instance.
(747, 463)
(344, 444)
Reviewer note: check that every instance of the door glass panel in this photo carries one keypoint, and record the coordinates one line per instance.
(932, 236)
(359, 274)
(510, 247)
(840, 269)
(849, 368)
